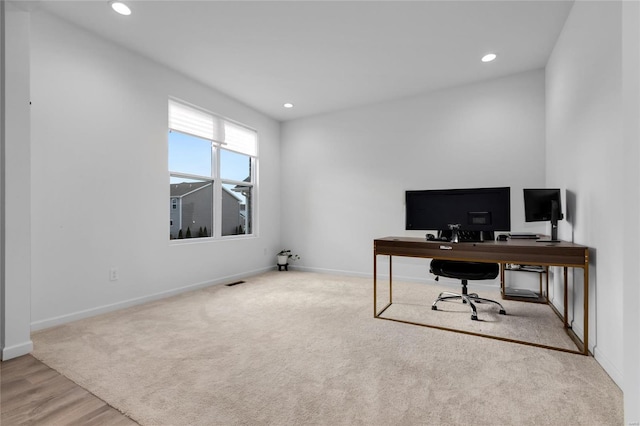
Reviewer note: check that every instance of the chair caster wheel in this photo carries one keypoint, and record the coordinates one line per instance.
(503, 312)
(434, 308)
(475, 318)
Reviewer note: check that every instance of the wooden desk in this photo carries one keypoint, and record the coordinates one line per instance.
(563, 254)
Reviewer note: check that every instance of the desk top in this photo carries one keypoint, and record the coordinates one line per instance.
(510, 251)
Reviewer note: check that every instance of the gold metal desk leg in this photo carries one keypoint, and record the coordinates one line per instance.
(376, 313)
(375, 282)
(390, 281)
(566, 300)
(546, 272)
(585, 320)
(540, 284)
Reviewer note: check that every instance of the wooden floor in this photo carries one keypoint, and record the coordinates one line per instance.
(34, 394)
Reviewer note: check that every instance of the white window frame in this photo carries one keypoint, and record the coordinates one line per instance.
(211, 127)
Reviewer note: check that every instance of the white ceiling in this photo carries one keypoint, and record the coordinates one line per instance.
(328, 55)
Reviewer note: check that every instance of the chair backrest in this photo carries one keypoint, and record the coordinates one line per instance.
(464, 270)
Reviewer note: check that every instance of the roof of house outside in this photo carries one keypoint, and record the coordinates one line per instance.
(185, 188)
(179, 190)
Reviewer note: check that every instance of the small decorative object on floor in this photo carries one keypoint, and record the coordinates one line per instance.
(283, 259)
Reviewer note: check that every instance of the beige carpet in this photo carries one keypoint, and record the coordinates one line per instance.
(296, 348)
(528, 322)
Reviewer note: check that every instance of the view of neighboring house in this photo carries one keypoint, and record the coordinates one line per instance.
(234, 219)
(190, 206)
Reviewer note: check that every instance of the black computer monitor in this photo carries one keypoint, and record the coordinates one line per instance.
(474, 209)
(542, 205)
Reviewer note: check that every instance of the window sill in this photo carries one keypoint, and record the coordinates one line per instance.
(203, 240)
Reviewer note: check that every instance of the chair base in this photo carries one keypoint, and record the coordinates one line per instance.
(469, 299)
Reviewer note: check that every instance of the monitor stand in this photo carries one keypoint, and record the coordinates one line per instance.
(555, 216)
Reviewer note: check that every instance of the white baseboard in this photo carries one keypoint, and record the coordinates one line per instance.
(17, 350)
(609, 367)
(332, 271)
(63, 319)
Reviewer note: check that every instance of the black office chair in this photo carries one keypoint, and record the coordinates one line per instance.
(465, 271)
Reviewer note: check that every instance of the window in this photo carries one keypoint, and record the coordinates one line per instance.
(212, 163)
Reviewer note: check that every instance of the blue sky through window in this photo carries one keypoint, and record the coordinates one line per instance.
(234, 166)
(190, 154)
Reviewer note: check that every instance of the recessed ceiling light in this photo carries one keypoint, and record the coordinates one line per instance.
(121, 8)
(489, 57)
(288, 105)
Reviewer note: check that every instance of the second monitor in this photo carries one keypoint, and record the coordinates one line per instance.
(541, 205)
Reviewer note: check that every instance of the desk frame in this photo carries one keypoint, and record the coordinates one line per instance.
(563, 254)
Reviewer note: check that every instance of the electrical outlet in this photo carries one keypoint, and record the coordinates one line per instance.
(113, 273)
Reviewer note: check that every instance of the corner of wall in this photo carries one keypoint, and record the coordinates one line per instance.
(16, 184)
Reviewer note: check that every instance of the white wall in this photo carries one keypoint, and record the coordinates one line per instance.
(631, 274)
(586, 156)
(16, 186)
(345, 174)
(100, 180)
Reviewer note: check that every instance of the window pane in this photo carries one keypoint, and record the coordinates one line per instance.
(189, 154)
(234, 166)
(190, 208)
(236, 209)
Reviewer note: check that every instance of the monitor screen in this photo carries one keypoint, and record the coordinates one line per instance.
(475, 209)
(538, 204)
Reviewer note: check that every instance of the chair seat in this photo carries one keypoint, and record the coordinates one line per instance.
(465, 270)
